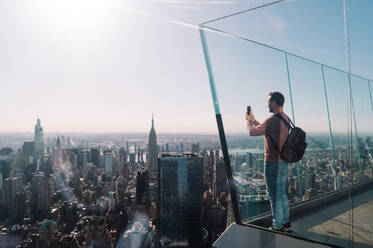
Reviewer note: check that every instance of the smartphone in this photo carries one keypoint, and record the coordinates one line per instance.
(248, 110)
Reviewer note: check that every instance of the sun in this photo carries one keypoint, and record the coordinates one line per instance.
(75, 15)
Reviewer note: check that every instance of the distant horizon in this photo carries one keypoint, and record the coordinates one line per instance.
(160, 133)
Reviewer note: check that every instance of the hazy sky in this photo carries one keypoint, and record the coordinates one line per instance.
(106, 66)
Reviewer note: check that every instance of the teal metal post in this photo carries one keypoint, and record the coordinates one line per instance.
(219, 121)
(370, 93)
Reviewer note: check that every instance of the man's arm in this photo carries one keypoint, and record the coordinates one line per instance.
(256, 123)
(255, 128)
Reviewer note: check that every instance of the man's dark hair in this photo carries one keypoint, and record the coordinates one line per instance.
(277, 97)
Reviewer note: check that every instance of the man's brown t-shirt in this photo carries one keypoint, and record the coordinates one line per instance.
(279, 132)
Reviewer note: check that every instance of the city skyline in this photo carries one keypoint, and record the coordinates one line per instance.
(146, 131)
(97, 181)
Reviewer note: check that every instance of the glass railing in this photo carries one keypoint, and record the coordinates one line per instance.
(297, 48)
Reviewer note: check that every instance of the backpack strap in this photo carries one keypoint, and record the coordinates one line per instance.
(287, 123)
(273, 142)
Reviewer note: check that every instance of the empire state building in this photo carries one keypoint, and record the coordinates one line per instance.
(152, 149)
(153, 173)
(39, 138)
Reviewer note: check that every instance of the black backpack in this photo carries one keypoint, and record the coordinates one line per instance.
(295, 144)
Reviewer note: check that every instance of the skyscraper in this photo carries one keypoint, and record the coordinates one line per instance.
(122, 155)
(1, 182)
(57, 153)
(152, 149)
(142, 192)
(180, 198)
(95, 156)
(220, 179)
(195, 148)
(181, 147)
(153, 172)
(123, 162)
(82, 160)
(12, 186)
(41, 190)
(108, 163)
(29, 150)
(39, 138)
(132, 159)
(127, 148)
(58, 143)
(18, 161)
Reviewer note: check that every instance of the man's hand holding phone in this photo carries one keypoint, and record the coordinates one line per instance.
(249, 116)
(250, 120)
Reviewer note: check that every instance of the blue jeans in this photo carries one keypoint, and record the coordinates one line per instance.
(276, 174)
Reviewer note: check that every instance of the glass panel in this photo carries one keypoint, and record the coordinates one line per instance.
(362, 171)
(310, 28)
(238, 68)
(364, 119)
(336, 83)
(317, 98)
(361, 37)
(236, 79)
(311, 115)
(361, 54)
(319, 166)
(339, 224)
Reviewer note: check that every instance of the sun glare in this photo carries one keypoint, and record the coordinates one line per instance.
(76, 14)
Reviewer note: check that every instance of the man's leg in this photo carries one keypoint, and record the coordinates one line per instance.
(271, 179)
(284, 197)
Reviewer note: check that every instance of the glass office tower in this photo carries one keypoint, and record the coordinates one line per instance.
(180, 199)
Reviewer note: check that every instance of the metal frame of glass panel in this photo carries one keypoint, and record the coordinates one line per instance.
(219, 121)
(370, 92)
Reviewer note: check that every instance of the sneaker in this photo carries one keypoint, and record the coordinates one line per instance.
(287, 227)
(275, 229)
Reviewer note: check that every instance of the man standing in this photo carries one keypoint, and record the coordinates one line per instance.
(275, 169)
